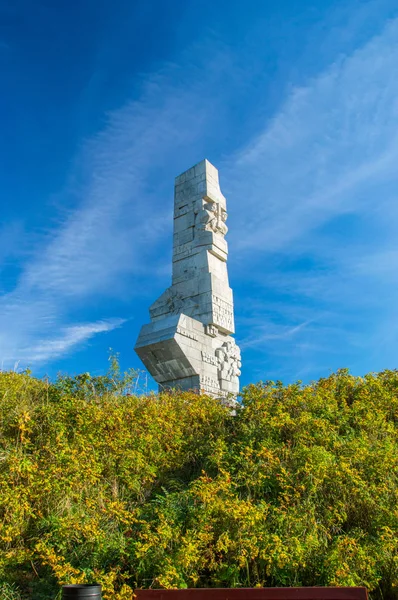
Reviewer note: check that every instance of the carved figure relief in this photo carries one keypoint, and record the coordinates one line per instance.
(212, 217)
(229, 361)
(175, 303)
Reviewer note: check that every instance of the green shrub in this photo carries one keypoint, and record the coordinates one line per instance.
(170, 490)
(9, 592)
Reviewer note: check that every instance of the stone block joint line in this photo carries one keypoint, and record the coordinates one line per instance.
(188, 343)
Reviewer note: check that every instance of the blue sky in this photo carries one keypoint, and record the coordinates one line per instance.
(103, 103)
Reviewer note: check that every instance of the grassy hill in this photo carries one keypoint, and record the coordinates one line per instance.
(170, 490)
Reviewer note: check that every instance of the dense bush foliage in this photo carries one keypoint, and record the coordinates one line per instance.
(298, 488)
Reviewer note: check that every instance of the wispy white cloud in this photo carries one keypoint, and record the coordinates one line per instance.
(313, 204)
(32, 331)
(316, 157)
(49, 349)
(11, 242)
(268, 332)
(122, 210)
(124, 202)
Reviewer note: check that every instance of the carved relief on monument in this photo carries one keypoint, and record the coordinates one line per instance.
(223, 313)
(211, 216)
(229, 361)
(210, 358)
(175, 303)
(211, 330)
(186, 333)
(211, 386)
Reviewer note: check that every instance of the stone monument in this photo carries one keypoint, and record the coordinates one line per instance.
(188, 344)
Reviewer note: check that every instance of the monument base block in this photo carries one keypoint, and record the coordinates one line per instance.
(183, 353)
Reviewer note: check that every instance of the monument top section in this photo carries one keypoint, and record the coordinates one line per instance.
(199, 212)
(199, 294)
(204, 171)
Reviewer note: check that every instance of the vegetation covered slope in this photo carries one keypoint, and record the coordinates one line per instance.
(299, 488)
